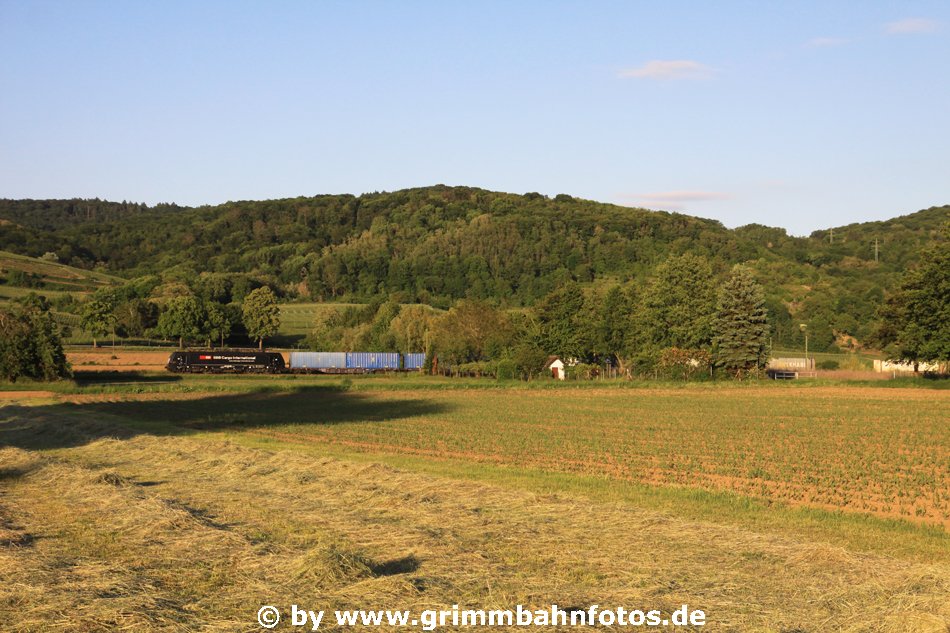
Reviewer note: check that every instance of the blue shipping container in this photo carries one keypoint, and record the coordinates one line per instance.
(413, 361)
(372, 360)
(318, 360)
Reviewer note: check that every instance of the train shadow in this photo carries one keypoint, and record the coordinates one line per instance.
(64, 425)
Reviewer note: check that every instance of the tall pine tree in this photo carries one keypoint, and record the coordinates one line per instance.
(741, 324)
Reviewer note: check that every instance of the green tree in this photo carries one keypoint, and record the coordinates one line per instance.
(471, 331)
(412, 328)
(217, 325)
(380, 336)
(741, 324)
(612, 331)
(565, 325)
(97, 316)
(675, 309)
(528, 360)
(30, 344)
(915, 320)
(261, 314)
(135, 317)
(182, 319)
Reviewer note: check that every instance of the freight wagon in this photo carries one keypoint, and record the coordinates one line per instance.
(325, 362)
(413, 361)
(373, 361)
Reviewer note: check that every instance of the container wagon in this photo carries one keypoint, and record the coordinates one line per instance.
(413, 362)
(319, 362)
(373, 361)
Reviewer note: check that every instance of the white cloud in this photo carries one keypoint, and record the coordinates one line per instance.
(911, 26)
(672, 200)
(825, 42)
(669, 69)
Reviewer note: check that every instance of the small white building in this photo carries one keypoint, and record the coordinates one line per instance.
(793, 364)
(556, 366)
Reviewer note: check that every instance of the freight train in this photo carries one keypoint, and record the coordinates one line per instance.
(255, 362)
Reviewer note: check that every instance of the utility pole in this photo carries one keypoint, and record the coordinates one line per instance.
(875, 250)
(831, 236)
(804, 328)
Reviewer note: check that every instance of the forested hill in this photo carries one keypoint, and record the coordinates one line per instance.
(438, 244)
(431, 244)
(36, 227)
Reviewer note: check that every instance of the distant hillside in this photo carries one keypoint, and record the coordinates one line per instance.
(431, 244)
(437, 244)
(20, 275)
(896, 241)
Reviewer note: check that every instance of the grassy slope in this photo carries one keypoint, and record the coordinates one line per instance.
(58, 280)
(56, 273)
(105, 526)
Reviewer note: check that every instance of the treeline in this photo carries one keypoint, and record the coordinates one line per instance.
(683, 322)
(439, 244)
(176, 311)
(53, 215)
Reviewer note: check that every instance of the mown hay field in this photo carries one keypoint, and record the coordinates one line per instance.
(171, 507)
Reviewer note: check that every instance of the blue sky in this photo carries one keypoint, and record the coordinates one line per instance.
(795, 114)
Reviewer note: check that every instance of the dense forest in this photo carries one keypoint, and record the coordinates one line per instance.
(436, 245)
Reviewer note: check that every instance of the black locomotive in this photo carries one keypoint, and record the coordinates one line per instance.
(230, 361)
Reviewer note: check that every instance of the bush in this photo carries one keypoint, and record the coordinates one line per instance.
(476, 369)
(827, 364)
(581, 371)
(506, 369)
(529, 360)
(30, 344)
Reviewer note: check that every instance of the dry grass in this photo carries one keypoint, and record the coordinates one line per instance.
(178, 533)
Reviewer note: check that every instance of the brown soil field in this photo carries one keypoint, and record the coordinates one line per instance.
(25, 395)
(102, 360)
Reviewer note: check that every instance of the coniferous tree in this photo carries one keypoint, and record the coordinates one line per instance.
(741, 324)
